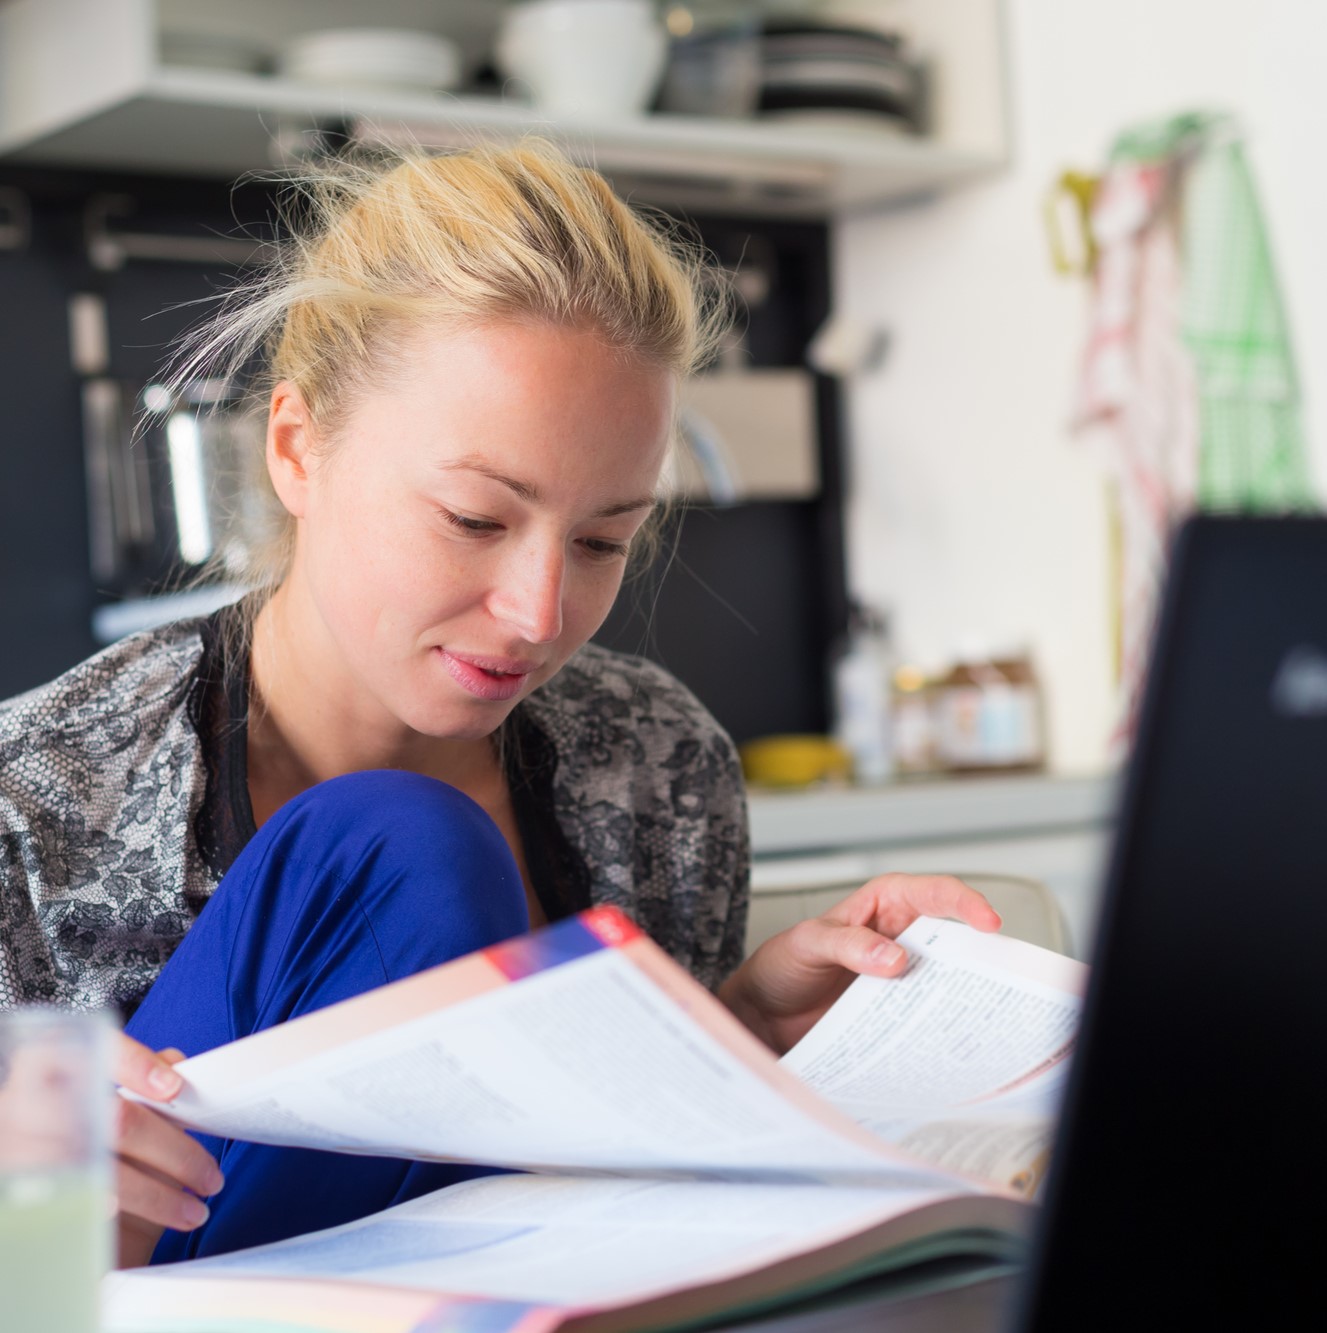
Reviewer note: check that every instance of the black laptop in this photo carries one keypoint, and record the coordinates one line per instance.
(1189, 1185)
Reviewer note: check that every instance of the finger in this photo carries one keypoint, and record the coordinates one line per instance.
(144, 1138)
(857, 948)
(893, 902)
(136, 1239)
(140, 1195)
(172, 1055)
(144, 1072)
(946, 896)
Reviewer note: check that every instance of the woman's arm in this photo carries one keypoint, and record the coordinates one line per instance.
(782, 990)
(160, 1170)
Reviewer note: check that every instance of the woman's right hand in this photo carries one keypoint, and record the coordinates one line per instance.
(160, 1170)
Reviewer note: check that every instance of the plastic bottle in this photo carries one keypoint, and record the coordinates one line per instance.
(862, 688)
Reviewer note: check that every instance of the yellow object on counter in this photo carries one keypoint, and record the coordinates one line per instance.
(794, 761)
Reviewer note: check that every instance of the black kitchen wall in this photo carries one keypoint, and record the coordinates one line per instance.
(45, 595)
(754, 595)
(742, 604)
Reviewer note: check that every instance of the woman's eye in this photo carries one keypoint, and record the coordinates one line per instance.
(604, 549)
(472, 525)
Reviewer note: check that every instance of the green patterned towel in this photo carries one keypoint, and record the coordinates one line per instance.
(1252, 451)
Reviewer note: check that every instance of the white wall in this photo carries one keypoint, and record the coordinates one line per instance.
(974, 509)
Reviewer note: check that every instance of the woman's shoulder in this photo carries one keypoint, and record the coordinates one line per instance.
(648, 789)
(118, 691)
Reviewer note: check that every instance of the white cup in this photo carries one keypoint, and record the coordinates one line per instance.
(55, 1158)
(591, 58)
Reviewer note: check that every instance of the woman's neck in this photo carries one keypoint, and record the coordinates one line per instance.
(302, 733)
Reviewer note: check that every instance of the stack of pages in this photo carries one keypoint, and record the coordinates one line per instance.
(667, 1169)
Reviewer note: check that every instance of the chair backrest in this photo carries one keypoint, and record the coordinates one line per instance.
(1029, 909)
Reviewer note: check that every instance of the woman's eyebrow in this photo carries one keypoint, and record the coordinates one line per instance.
(523, 490)
(626, 507)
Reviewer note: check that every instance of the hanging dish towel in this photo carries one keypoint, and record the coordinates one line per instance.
(1189, 372)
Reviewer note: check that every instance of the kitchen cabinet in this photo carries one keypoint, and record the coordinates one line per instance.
(810, 848)
(83, 83)
(733, 584)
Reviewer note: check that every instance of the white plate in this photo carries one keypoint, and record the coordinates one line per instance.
(377, 57)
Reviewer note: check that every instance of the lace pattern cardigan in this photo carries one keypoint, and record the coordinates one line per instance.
(123, 799)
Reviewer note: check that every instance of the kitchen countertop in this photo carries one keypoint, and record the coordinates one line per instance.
(927, 810)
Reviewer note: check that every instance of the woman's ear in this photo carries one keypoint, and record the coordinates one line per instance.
(291, 440)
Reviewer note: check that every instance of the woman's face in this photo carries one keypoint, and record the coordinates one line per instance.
(467, 530)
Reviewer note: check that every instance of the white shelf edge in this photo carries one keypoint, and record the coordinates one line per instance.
(698, 133)
(824, 820)
(804, 168)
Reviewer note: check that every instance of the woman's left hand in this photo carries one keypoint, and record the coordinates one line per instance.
(783, 989)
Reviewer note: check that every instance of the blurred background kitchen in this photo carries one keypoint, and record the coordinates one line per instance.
(979, 248)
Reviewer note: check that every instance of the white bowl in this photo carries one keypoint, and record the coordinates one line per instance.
(540, 12)
(373, 57)
(584, 57)
(544, 15)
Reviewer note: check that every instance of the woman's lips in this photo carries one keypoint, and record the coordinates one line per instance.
(490, 678)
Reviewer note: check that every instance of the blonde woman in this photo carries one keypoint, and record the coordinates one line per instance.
(405, 747)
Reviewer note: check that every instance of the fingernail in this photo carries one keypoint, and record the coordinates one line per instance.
(165, 1081)
(194, 1211)
(886, 954)
(216, 1182)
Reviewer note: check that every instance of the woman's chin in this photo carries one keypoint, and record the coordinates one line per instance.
(474, 721)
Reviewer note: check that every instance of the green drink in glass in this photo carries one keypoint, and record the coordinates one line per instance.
(55, 1223)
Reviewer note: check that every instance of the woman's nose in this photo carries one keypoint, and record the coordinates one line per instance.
(528, 594)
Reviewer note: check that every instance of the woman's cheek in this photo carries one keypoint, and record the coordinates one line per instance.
(595, 592)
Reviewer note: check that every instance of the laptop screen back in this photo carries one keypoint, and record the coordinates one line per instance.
(1188, 1187)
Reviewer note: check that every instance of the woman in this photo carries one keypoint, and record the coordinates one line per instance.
(404, 749)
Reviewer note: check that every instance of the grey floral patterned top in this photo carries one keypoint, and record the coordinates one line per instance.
(123, 799)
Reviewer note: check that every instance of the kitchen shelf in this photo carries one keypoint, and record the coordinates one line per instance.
(82, 85)
(832, 819)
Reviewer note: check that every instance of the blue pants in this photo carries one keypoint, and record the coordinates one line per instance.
(357, 882)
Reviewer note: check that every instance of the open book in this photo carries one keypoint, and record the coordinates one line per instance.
(671, 1168)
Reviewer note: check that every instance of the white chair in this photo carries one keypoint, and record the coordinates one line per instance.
(1027, 907)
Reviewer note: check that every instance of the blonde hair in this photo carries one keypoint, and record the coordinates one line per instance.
(384, 248)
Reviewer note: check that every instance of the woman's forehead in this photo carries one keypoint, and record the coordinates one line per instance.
(531, 407)
(504, 371)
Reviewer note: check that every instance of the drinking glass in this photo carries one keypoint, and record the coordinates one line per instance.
(55, 1158)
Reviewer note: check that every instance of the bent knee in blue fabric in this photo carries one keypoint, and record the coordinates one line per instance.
(358, 881)
(385, 829)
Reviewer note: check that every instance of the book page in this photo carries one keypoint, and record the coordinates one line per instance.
(962, 1060)
(540, 1242)
(563, 1241)
(582, 1061)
